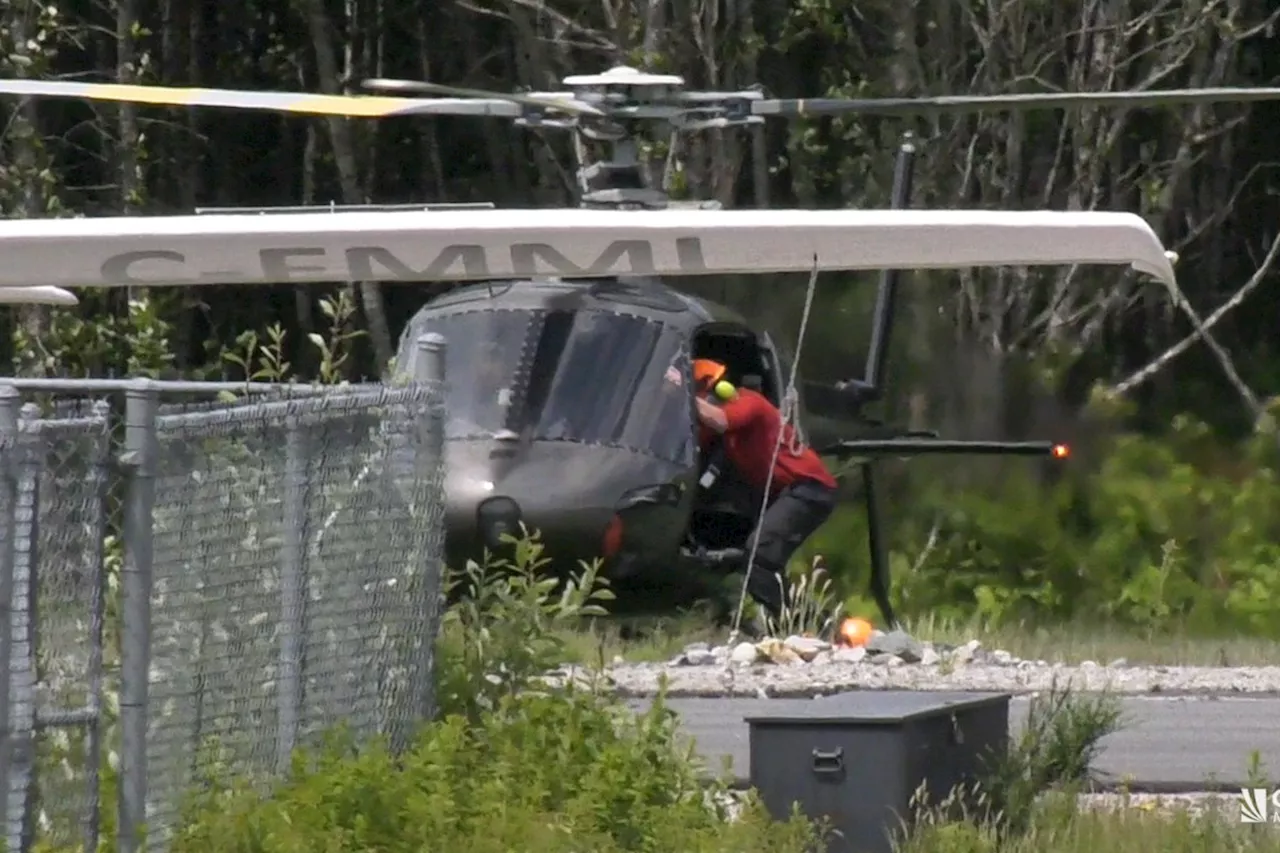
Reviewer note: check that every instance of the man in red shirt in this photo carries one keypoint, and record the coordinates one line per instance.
(802, 492)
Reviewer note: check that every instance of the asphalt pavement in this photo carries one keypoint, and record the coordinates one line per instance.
(1166, 744)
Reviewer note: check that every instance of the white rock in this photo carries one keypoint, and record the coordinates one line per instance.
(897, 643)
(762, 676)
(930, 657)
(1119, 662)
(806, 647)
(777, 651)
(849, 654)
(702, 658)
(966, 653)
(744, 653)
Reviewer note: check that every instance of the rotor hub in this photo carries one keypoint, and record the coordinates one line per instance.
(623, 85)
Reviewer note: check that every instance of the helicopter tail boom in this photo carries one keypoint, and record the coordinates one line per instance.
(469, 245)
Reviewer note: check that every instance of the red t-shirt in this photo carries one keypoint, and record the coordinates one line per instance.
(751, 437)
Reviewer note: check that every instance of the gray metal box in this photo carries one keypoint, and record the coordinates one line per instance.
(858, 758)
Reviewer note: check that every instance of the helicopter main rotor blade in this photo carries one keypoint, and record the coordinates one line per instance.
(38, 295)
(477, 245)
(297, 103)
(976, 103)
(561, 103)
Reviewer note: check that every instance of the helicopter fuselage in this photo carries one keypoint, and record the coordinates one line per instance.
(569, 409)
(569, 494)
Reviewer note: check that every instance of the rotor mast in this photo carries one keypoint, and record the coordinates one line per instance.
(632, 102)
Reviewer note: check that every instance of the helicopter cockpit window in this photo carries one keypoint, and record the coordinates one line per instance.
(485, 347)
(600, 377)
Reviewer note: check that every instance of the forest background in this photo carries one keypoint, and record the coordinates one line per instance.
(1166, 514)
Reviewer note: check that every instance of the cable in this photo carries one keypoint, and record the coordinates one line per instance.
(787, 412)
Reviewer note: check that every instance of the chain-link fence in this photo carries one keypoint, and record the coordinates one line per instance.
(186, 584)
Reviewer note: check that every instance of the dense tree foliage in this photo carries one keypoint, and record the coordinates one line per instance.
(1008, 352)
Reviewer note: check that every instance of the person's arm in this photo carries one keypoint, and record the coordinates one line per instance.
(737, 413)
(713, 417)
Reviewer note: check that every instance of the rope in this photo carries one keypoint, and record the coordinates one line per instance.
(795, 446)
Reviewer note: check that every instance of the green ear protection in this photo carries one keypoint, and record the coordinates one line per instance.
(724, 390)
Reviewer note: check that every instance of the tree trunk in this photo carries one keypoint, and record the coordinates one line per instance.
(344, 153)
(27, 156)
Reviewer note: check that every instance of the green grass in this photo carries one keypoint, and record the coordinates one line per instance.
(1102, 644)
(660, 639)
(648, 640)
(1062, 826)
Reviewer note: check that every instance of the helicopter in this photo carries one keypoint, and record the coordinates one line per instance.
(570, 400)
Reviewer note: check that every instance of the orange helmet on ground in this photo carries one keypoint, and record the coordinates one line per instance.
(706, 373)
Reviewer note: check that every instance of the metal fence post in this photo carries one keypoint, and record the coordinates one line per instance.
(292, 593)
(22, 637)
(142, 404)
(97, 632)
(10, 400)
(429, 368)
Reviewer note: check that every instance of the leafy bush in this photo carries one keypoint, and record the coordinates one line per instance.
(511, 764)
(508, 626)
(1156, 533)
(554, 773)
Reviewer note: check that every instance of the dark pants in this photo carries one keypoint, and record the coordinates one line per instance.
(795, 515)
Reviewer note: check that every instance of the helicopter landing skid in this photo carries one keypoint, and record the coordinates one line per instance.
(720, 560)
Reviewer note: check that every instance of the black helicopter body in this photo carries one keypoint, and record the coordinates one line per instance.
(570, 411)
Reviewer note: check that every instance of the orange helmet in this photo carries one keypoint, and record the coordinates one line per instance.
(706, 373)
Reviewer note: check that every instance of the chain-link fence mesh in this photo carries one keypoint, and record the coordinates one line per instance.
(54, 517)
(71, 526)
(293, 551)
(295, 581)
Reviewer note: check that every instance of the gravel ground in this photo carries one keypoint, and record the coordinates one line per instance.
(805, 667)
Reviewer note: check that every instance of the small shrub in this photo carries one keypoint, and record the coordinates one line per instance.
(1052, 755)
(1056, 748)
(509, 625)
